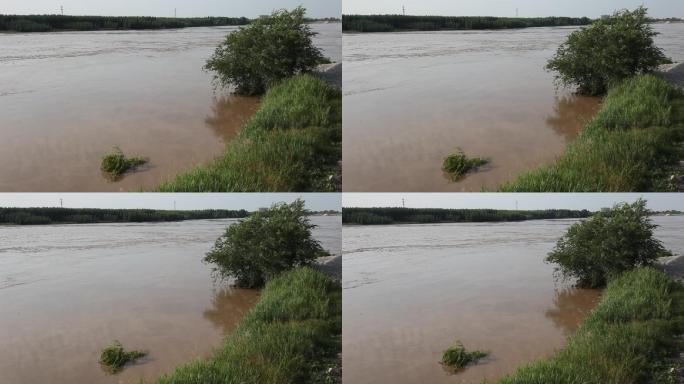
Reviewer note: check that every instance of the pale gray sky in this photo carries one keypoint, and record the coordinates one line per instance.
(526, 8)
(526, 201)
(186, 8)
(184, 201)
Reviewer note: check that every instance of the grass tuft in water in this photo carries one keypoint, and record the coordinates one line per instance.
(456, 357)
(457, 164)
(114, 357)
(115, 163)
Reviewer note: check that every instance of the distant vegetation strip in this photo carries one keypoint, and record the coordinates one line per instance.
(292, 143)
(39, 216)
(48, 23)
(292, 335)
(394, 23)
(375, 216)
(633, 144)
(632, 336)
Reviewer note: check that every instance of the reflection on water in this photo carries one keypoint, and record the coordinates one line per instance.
(411, 98)
(67, 98)
(571, 306)
(410, 291)
(66, 291)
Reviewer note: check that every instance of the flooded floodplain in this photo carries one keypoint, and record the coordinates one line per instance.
(66, 291)
(411, 98)
(410, 291)
(67, 98)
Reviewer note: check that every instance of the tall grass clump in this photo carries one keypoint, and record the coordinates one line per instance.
(457, 164)
(114, 357)
(293, 143)
(628, 338)
(456, 357)
(265, 244)
(294, 329)
(631, 144)
(116, 163)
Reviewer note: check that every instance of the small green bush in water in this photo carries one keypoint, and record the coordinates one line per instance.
(265, 244)
(116, 163)
(115, 357)
(610, 50)
(607, 244)
(457, 358)
(265, 52)
(457, 164)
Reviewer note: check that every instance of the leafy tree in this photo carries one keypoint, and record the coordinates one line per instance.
(265, 244)
(268, 50)
(607, 244)
(608, 51)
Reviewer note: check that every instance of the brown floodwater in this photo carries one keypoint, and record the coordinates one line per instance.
(411, 98)
(410, 291)
(68, 98)
(66, 291)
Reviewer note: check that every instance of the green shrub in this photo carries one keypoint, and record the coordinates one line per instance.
(457, 164)
(608, 51)
(630, 337)
(114, 357)
(608, 243)
(456, 357)
(265, 52)
(116, 163)
(265, 244)
(289, 335)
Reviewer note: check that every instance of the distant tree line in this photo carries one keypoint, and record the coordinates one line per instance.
(39, 216)
(375, 216)
(390, 23)
(47, 23)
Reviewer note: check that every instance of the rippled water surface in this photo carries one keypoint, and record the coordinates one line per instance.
(67, 98)
(410, 291)
(411, 98)
(66, 291)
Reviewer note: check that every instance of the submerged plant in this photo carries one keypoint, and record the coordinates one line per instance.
(116, 163)
(457, 358)
(457, 164)
(115, 357)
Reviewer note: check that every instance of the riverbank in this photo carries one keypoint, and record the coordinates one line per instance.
(292, 143)
(634, 143)
(631, 336)
(61, 23)
(403, 23)
(293, 334)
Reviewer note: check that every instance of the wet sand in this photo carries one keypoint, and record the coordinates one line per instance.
(67, 98)
(411, 98)
(66, 291)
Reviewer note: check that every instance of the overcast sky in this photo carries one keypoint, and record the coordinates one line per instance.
(526, 8)
(526, 201)
(186, 8)
(184, 201)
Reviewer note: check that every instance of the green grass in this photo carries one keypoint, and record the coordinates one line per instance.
(457, 164)
(631, 145)
(292, 143)
(288, 337)
(630, 337)
(114, 357)
(456, 357)
(115, 163)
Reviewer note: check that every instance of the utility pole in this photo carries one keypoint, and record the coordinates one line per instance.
(175, 13)
(403, 203)
(403, 10)
(61, 8)
(516, 12)
(61, 203)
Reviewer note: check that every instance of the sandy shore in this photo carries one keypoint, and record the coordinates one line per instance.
(672, 73)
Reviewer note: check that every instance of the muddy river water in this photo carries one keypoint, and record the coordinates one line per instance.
(411, 98)
(66, 291)
(410, 291)
(68, 98)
